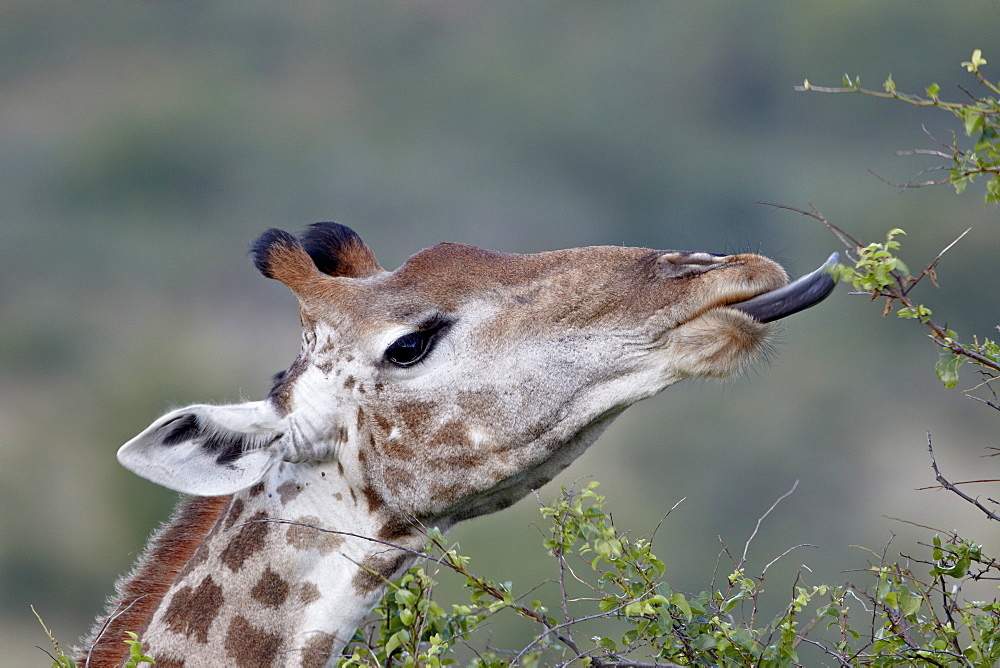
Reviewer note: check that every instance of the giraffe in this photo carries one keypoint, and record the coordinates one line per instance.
(444, 390)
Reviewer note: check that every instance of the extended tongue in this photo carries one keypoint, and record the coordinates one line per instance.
(798, 295)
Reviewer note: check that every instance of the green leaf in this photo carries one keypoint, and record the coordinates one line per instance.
(973, 122)
(977, 60)
(680, 601)
(396, 640)
(911, 604)
(947, 370)
(933, 90)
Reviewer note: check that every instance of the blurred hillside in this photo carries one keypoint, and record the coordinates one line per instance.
(142, 146)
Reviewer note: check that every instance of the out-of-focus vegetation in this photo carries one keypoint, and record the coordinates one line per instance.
(142, 146)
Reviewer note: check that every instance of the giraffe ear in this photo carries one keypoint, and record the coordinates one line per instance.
(207, 450)
(337, 250)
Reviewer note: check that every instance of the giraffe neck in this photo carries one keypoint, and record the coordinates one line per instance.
(139, 592)
(266, 586)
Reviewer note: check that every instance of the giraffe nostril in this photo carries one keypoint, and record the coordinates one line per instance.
(699, 258)
(680, 264)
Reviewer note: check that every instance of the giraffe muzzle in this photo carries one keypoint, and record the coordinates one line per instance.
(802, 293)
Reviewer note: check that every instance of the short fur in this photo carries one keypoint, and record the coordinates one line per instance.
(337, 250)
(140, 592)
(528, 359)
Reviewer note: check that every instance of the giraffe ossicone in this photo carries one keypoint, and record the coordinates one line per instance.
(446, 389)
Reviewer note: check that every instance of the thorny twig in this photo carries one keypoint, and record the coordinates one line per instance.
(953, 488)
(901, 290)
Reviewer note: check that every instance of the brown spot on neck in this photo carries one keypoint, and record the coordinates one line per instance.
(192, 611)
(308, 593)
(141, 593)
(397, 527)
(452, 433)
(235, 510)
(376, 571)
(271, 590)
(383, 423)
(318, 650)
(250, 540)
(373, 499)
(306, 534)
(288, 490)
(250, 647)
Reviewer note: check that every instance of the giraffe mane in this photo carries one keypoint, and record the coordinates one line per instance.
(139, 593)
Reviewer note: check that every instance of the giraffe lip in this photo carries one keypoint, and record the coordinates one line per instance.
(800, 294)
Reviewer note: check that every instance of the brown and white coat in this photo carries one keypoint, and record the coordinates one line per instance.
(438, 392)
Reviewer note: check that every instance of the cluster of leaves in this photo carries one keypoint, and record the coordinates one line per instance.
(413, 629)
(901, 619)
(980, 116)
(897, 619)
(62, 660)
(879, 272)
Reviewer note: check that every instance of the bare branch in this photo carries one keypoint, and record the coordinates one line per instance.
(922, 184)
(761, 519)
(952, 488)
(991, 405)
(963, 482)
(929, 271)
(948, 147)
(850, 242)
(794, 547)
(924, 151)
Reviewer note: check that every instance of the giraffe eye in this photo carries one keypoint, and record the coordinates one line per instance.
(410, 348)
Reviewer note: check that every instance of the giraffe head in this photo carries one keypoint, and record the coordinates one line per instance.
(457, 383)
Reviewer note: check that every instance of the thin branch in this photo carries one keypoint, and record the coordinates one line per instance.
(554, 628)
(635, 664)
(921, 526)
(948, 147)
(929, 271)
(844, 237)
(416, 553)
(923, 151)
(952, 488)
(107, 623)
(941, 338)
(774, 505)
(922, 184)
(991, 405)
(963, 482)
(794, 547)
(652, 536)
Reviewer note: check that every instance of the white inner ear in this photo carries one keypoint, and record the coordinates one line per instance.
(208, 450)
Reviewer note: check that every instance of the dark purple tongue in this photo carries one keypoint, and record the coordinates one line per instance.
(798, 295)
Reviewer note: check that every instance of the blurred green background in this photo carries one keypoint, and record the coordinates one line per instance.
(142, 146)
